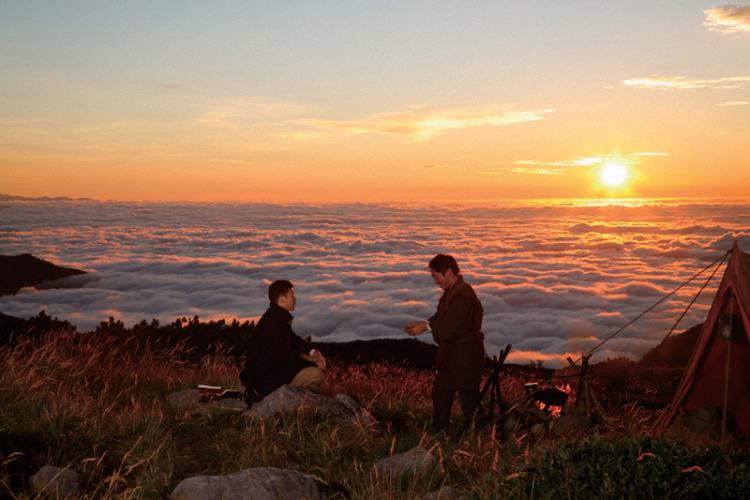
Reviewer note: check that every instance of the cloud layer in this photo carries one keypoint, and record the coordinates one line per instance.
(553, 279)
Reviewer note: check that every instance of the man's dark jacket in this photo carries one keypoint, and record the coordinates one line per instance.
(457, 330)
(273, 354)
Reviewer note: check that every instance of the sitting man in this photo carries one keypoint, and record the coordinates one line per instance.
(275, 354)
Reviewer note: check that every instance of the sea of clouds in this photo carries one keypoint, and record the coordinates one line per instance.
(553, 278)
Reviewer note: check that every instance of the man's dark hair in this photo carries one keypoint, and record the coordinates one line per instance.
(277, 289)
(441, 263)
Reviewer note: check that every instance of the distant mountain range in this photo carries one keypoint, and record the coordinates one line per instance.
(10, 197)
(18, 271)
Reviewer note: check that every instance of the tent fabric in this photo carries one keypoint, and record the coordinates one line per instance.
(703, 381)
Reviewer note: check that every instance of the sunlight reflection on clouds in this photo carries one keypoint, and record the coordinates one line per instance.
(553, 279)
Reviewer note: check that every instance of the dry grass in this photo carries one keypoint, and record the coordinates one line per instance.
(96, 403)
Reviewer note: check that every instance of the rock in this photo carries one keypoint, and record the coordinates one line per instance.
(52, 481)
(290, 399)
(570, 424)
(416, 460)
(349, 402)
(357, 414)
(261, 483)
(190, 399)
(445, 493)
(229, 404)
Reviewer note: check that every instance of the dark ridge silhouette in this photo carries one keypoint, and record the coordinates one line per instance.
(18, 271)
(13, 329)
(211, 337)
(199, 338)
(204, 338)
(674, 352)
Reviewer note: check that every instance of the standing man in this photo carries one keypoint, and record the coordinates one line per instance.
(275, 354)
(457, 329)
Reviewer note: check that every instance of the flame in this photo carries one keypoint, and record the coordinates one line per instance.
(555, 411)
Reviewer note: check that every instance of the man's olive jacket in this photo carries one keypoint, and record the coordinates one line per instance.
(457, 330)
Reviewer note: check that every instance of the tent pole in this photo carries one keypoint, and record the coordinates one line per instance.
(726, 373)
(726, 393)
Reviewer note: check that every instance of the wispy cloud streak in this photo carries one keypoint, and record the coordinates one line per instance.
(733, 103)
(586, 161)
(557, 167)
(538, 171)
(684, 83)
(424, 123)
(659, 154)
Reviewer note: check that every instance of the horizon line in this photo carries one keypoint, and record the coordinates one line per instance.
(614, 200)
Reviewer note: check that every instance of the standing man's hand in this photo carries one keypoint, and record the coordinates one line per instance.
(416, 328)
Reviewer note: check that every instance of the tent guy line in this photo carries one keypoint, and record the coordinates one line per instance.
(713, 273)
(657, 303)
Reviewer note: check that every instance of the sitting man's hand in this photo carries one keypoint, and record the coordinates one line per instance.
(317, 357)
(416, 328)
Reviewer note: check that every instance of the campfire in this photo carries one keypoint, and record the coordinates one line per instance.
(549, 399)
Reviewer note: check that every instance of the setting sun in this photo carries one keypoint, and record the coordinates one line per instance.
(613, 175)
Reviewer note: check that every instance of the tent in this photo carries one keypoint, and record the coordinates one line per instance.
(718, 372)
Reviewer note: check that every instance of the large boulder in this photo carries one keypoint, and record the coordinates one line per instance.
(260, 483)
(55, 482)
(291, 399)
(190, 399)
(414, 461)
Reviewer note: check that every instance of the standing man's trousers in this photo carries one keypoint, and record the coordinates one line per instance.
(443, 390)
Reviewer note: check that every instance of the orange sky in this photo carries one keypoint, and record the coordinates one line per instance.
(458, 102)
